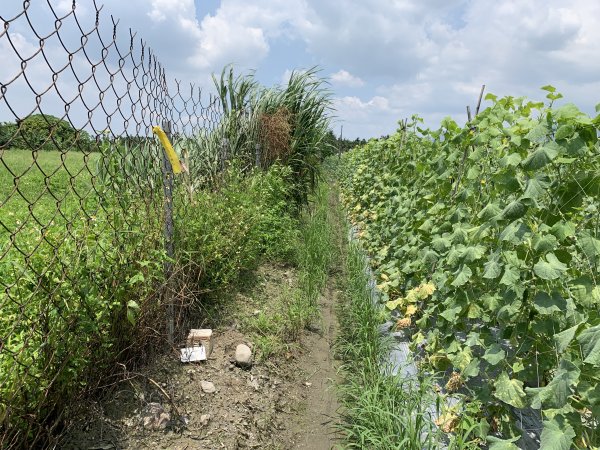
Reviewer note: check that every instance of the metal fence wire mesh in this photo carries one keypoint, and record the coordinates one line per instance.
(87, 204)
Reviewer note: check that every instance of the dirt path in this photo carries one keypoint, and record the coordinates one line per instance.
(287, 401)
(316, 428)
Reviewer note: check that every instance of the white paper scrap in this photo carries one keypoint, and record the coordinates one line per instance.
(193, 354)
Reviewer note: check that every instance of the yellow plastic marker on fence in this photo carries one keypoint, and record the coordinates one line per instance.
(164, 140)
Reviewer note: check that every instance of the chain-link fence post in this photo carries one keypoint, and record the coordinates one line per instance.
(169, 237)
(258, 157)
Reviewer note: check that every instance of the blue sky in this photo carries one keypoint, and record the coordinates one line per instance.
(385, 59)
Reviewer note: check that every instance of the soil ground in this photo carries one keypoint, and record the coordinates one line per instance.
(315, 429)
(286, 401)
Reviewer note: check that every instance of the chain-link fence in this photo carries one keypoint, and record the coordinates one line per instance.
(87, 199)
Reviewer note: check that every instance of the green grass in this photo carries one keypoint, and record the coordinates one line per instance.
(379, 410)
(316, 246)
(280, 322)
(35, 185)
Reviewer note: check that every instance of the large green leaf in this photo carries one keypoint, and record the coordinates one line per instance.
(544, 243)
(590, 393)
(491, 210)
(494, 354)
(511, 275)
(538, 133)
(516, 233)
(582, 291)
(462, 276)
(540, 157)
(509, 391)
(473, 253)
(441, 244)
(502, 444)
(514, 210)
(510, 160)
(568, 112)
(557, 434)
(564, 338)
(590, 246)
(546, 304)
(556, 394)
(493, 269)
(576, 146)
(461, 359)
(535, 188)
(590, 345)
(563, 230)
(549, 268)
(451, 312)
(564, 131)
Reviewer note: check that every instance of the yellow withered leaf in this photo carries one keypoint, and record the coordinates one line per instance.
(411, 310)
(393, 304)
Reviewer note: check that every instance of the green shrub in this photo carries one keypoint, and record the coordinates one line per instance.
(70, 310)
(8, 133)
(221, 233)
(289, 124)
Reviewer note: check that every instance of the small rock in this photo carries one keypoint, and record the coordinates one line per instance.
(155, 417)
(208, 387)
(243, 355)
(204, 418)
(253, 383)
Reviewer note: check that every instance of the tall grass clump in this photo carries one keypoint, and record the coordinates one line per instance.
(379, 409)
(286, 124)
(315, 249)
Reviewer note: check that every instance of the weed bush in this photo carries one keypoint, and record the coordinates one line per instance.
(66, 317)
(226, 231)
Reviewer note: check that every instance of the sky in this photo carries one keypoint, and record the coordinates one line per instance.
(385, 60)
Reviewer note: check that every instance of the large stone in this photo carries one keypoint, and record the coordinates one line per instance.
(243, 356)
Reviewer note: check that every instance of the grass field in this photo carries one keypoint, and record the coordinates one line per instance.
(34, 187)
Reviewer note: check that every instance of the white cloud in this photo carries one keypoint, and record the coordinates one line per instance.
(360, 108)
(425, 56)
(222, 42)
(372, 117)
(240, 32)
(345, 78)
